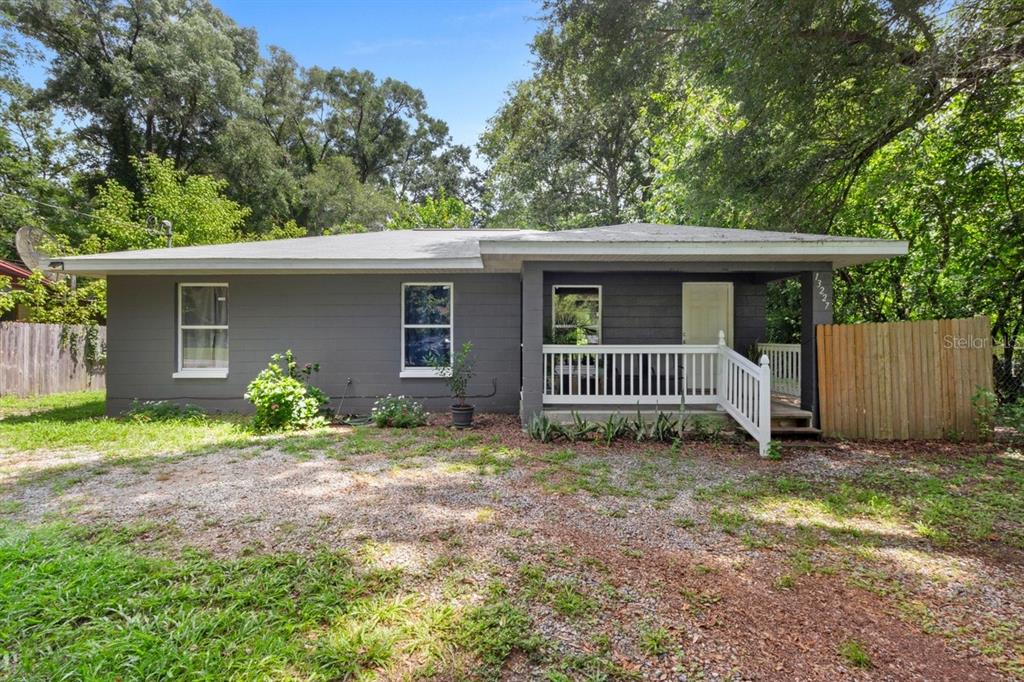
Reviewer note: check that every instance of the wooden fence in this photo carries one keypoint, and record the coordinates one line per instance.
(36, 359)
(901, 380)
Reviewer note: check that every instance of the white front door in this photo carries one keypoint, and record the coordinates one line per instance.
(707, 308)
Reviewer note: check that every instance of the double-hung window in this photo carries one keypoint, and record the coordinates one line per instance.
(426, 327)
(576, 314)
(202, 330)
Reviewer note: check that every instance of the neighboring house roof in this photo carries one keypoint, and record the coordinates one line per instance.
(13, 270)
(492, 250)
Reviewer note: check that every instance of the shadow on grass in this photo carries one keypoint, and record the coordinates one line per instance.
(87, 410)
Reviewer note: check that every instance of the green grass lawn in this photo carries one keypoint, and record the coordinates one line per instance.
(71, 421)
(80, 603)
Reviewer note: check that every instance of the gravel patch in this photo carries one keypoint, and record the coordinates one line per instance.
(629, 529)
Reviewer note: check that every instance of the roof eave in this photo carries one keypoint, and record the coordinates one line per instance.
(92, 266)
(841, 254)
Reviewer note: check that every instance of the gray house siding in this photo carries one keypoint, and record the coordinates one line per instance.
(647, 308)
(350, 324)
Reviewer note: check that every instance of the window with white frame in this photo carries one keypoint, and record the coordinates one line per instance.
(576, 314)
(202, 330)
(426, 327)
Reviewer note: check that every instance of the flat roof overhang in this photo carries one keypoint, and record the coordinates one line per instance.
(498, 255)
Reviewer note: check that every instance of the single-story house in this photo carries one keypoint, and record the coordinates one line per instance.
(16, 274)
(602, 318)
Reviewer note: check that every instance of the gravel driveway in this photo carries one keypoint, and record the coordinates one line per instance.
(649, 557)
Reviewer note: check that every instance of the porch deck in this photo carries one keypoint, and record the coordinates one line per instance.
(597, 380)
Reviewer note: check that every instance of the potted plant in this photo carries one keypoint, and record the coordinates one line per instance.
(456, 376)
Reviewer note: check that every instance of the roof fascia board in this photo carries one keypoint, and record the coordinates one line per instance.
(823, 249)
(311, 265)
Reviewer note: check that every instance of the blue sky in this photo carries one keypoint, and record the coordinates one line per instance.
(462, 54)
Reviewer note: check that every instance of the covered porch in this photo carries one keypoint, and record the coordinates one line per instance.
(669, 337)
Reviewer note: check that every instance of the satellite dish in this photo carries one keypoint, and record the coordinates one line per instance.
(36, 249)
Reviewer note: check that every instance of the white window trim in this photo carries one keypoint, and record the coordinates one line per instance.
(197, 373)
(428, 372)
(600, 307)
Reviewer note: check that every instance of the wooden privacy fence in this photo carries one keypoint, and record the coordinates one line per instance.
(901, 380)
(36, 359)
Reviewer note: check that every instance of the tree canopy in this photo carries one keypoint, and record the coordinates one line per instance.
(887, 119)
(882, 118)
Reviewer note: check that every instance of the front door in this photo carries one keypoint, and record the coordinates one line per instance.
(707, 308)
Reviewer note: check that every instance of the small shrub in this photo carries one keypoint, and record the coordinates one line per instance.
(854, 653)
(577, 430)
(665, 428)
(457, 372)
(163, 410)
(541, 428)
(640, 428)
(612, 428)
(284, 398)
(986, 407)
(398, 412)
(774, 451)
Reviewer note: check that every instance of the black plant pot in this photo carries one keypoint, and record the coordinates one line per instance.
(462, 416)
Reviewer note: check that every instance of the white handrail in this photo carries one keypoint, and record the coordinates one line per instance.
(630, 374)
(746, 393)
(784, 359)
(663, 374)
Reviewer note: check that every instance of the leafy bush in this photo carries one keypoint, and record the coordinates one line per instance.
(398, 411)
(284, 398)
(163, 410)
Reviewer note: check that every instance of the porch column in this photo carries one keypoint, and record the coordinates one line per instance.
(532, 341)
(816, 308)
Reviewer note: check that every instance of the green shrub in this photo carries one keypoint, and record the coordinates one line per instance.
(398, 411)
(665, 428)
(541, 428)
(146, 411)
(284, 398)
(458, 372)
(985, 407)
(578, 430)
(614, 427)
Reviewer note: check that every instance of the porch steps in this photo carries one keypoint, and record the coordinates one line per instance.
(789, 421)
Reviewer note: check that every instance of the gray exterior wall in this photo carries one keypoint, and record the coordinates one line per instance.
(647, 307)
(350, 324)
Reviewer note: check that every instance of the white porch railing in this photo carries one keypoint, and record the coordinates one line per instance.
(663, 375)
(784, 359)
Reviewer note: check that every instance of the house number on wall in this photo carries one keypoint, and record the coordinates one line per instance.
(822, 291)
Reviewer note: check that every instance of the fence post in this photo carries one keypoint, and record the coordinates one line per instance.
(764, 404)
(721, 392)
